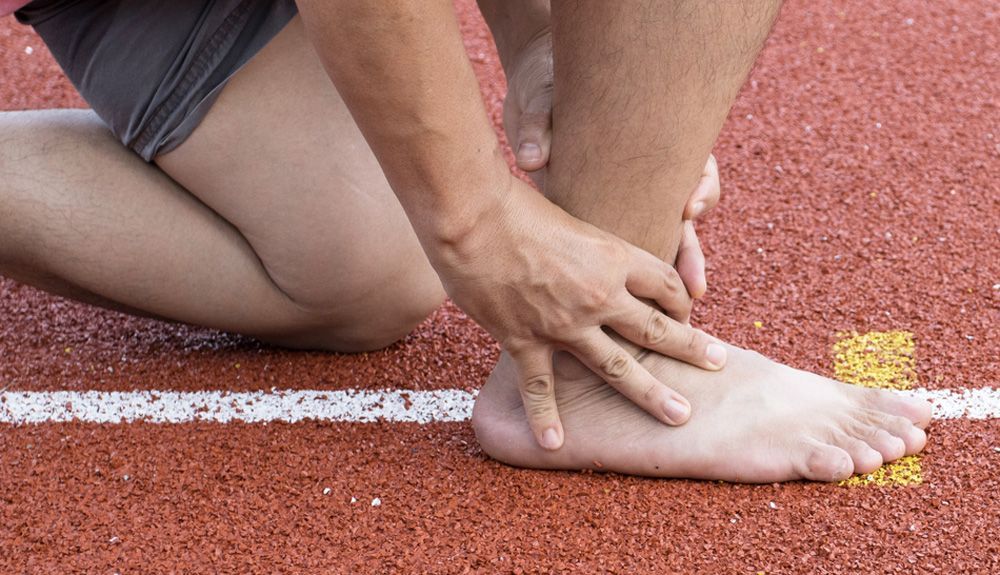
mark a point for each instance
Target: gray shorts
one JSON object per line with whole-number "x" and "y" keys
{"x": 152, "y": 69}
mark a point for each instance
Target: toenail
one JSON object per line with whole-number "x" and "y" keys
{"x": 715, "y": 354}
{"x": 529, "y": 152}
{"x": 675, "y": 411}
{"x": 550, "y": 439}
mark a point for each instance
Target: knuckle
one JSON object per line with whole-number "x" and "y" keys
{"x": 656, "y": 328}
{"x": 537, "y": 389}
{"x": 617, "y": 366}
{"x": 615, "y": 249}
{"x": 693, "y": 344}
{"x": 537, "y": 411}
{"x": 595, "y": 298}
{"x": 537, "y": 121}
{"x": 650, "y": 393}
{"x": 671, "y": 280}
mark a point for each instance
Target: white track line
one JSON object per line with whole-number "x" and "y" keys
{"x": 221, "y": 406}
{"x": 22, "y": 407}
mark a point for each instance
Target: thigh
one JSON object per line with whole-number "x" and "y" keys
{"x": 279, "y": 157}
{"x": 84, "y": 217}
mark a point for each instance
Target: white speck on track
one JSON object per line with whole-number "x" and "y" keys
{"x": 354, "y": 406}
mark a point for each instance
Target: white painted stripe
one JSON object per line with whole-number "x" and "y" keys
{"x": 981, "y": 403}
{"x": 221, "y": 406}
{"x": 361, "y": 406}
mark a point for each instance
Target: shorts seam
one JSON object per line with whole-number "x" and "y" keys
{"x": 203, "y": 62}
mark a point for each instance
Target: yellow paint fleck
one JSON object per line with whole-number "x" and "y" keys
{"x": 68, "y": 350}
{"x": 758, "y": 324}
{"x": 237, "y": 366}
{"x": 873, "y": 194}
{"x": 880, "y": 359}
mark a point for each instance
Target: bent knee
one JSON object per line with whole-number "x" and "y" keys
{"x": 366, "y": 327}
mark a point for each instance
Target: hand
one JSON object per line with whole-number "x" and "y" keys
{"x": 541, "y": 281}
{"x": 527, "y": 114}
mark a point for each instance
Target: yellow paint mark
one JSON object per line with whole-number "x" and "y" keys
{"x": 876, "y": 359}
{"x": 904, "y": 471}
{"x": 758, "y": 324}
{"x": 880, "y": 359}
{"x": 68, "y": 350}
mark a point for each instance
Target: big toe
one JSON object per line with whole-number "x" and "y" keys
{"x": 821, "y": 462}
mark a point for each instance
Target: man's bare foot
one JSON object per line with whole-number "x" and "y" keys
{"x": 755, "y": 421}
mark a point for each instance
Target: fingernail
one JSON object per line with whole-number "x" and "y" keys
{"x": 715, "y": 354}
{"x": 529, "y": 152}
{"x": 550, "y": 439}
{"x": 675, "y": 411}
{"x": 697, "y": 209}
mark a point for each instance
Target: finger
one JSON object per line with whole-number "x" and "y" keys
{"x": 620, "y": 370}
{"x": 706, "y": 194}
{"x": 534, "y": 133}
{"x": 650, "y": 328}
{"x": 653, "y": 279}
{"x": 691, "y": 262}
{"x": 538, "y": 394}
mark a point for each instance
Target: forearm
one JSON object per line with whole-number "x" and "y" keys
{"x": 514, "y": 24}
{"x": 402, "y": 70}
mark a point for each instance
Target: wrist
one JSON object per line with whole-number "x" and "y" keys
{"x": 452, "y": 233}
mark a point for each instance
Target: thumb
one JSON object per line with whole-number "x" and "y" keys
{"x": 534, "y": 133}
{"x": 691, "y": 262}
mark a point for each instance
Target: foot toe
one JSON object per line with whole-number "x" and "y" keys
{"x": 865, "y": 458}
{"x": 917, "y": 411}
{"x": 826, "y": 463}
{"x": 891, "y": 447}
{"x": 913, "y": 437}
